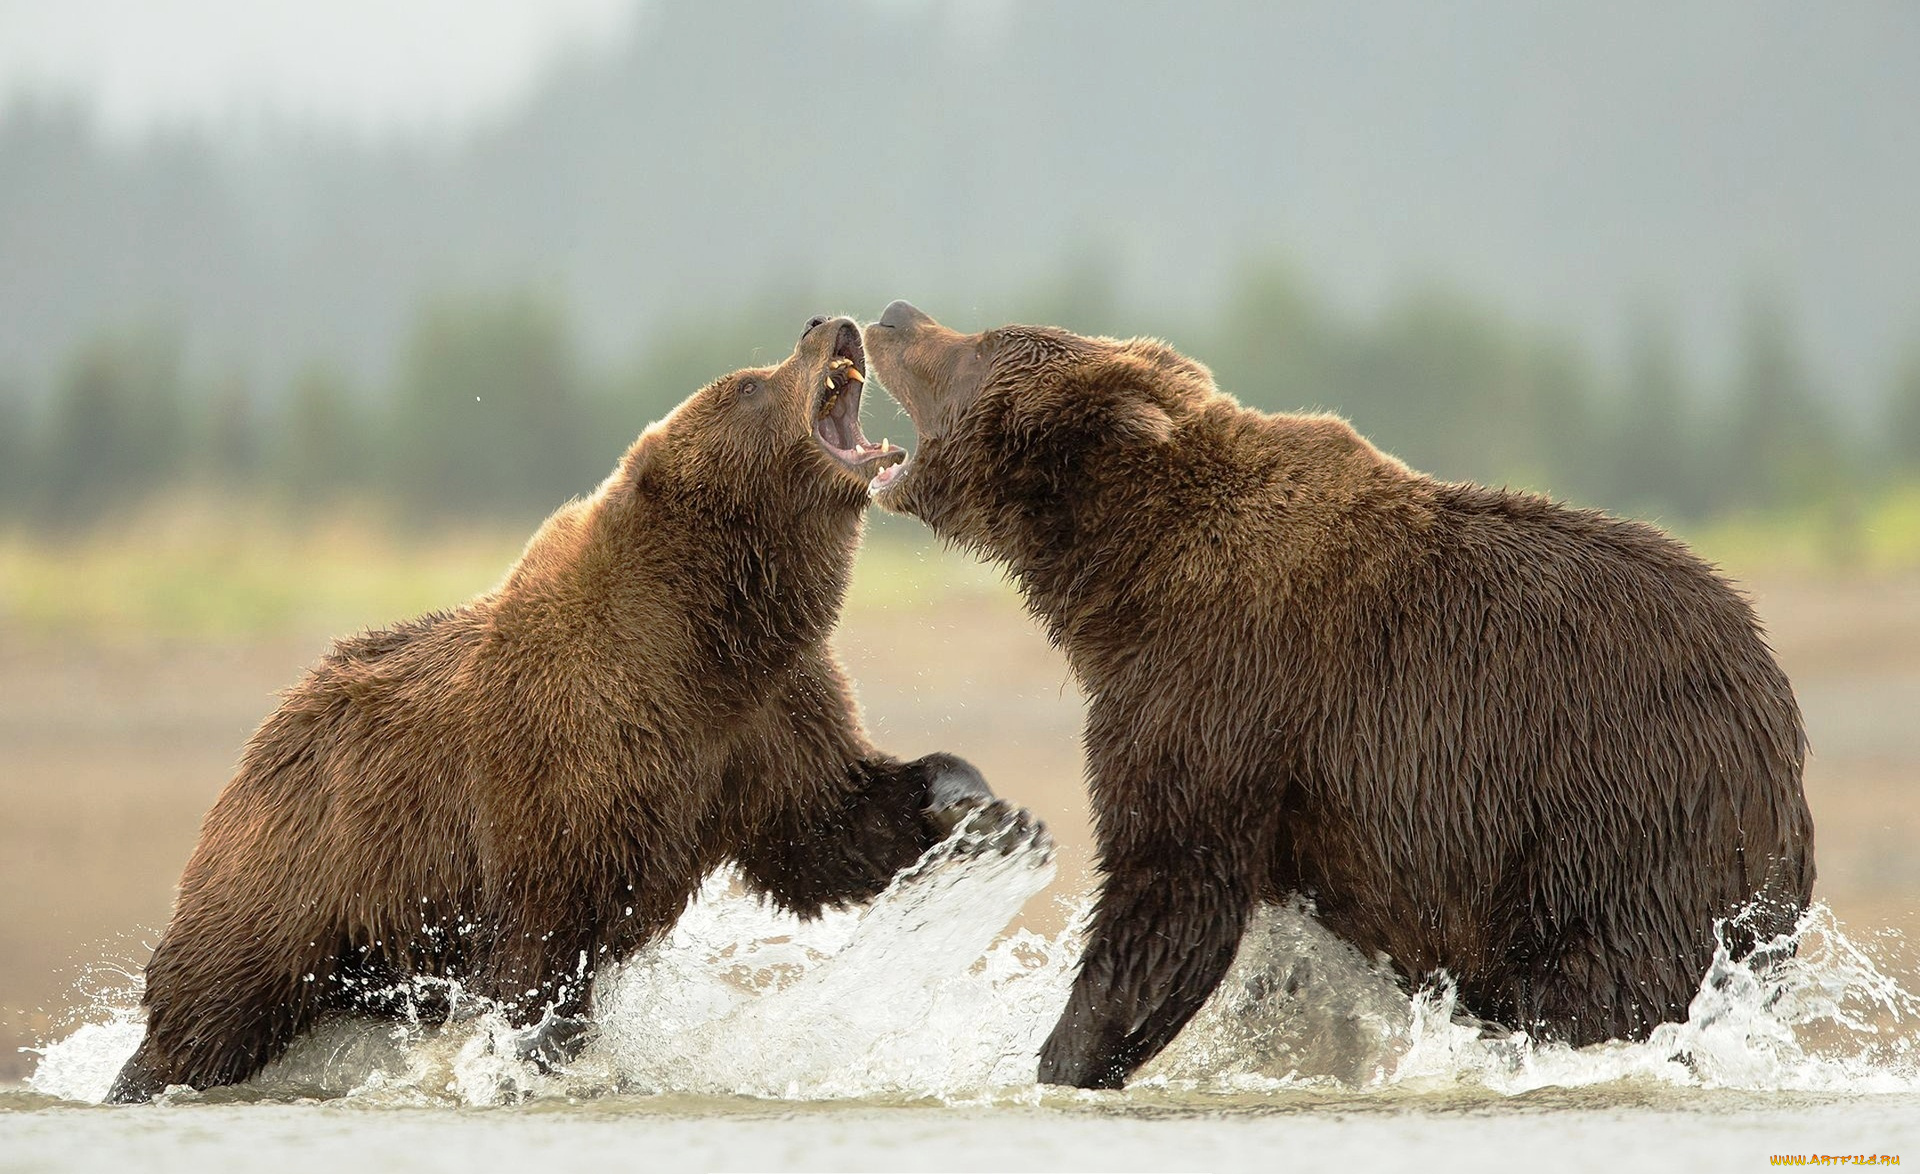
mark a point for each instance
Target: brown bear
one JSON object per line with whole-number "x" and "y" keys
{"x": 522, "y": 790}
{"x": 1539, "y": 749}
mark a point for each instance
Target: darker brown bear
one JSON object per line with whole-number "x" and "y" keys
{"x": 1537, "y": 748}
{"x": 520, "y": 791}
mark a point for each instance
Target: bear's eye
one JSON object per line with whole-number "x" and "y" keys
{"x": 747, "y": 388}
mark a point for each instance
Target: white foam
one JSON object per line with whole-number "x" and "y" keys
{"x": 923, "y": 994}
{"x": 82, "y": 1066}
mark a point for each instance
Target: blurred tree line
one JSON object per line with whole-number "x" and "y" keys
{"x": 492, "y": 412}
{"x": 1462, "y": 391}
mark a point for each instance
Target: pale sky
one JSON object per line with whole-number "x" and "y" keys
{"x": 373, "y": 65}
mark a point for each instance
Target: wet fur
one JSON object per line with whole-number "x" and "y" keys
{"x": 1537, "y": 748}
{"x": 522, "y": 790}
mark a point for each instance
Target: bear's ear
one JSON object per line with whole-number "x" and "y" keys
{"x": 646, "y": 459}
{"x": 1141, "y": 421}
{"x": 1110, "y": 400}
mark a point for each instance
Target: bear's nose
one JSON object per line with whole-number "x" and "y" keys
{"x": 812, "y": 322}
{"x": 901, "y": 314}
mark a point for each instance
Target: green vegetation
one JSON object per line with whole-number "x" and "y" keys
{"x": 1874, "y": 534}
{"x": 195, "y": 567}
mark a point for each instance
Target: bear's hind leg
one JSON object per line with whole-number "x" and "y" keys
{"x": 543, "y": 982}
{"x": 141, "y": 1078}
{"x": 215, "y": 1015}
{"x": 1595, "y": 987}
{"x": 554, "y": 1042}
{"x": 209, "y": 1043}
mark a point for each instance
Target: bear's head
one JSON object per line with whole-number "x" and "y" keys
{"x": 1022, "y": 425}
{"x": 788, "y": 434}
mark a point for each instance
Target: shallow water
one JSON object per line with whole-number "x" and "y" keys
{"x": 905, "y": 1035}
{"x": 1552, "y": 1132}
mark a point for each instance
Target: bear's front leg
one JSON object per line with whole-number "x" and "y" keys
{"x": 862, "y": 829}
{"x": 850, "y": 818}
{"x": 1165, "y": 929}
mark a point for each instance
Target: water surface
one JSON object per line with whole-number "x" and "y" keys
{"x": 905, "y": 1036}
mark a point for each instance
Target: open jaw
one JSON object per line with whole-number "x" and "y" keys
{"x": 836, "y": 415}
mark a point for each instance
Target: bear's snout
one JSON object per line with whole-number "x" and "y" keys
{"x": 901, "y": 314}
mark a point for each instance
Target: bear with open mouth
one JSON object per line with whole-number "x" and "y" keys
{"x": 525, "y": 789}
{"x": 1537, "y": 749}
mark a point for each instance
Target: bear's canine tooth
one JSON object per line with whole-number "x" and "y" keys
{"x": 830, "y": 386}
{"x": 853, "y": 372}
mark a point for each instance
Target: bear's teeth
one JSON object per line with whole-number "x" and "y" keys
{"x": 830, "y": 386}
{"x": 853, "y": 373}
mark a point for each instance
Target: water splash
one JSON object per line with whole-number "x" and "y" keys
{"x": 909, "y": 996}
{"x": 1825, "y": 1019}
{"x": 923, "y": 995}
{"x": 1302, "y": 1008}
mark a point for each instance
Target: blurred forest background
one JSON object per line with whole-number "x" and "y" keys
{"x": 1659, "y": 260}
{"x": 308, "y": 354}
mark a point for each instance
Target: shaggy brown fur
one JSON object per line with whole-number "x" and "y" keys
{"x": 1537, "y": 748}
{"x": 521, "y": 790}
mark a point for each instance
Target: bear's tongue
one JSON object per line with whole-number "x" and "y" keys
{"x": 838, "y": 420}
{"x": 837, "y": 425}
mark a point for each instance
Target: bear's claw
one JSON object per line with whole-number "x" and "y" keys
{"x": 960, "y": 804}
{"x": 993, "y": 826}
